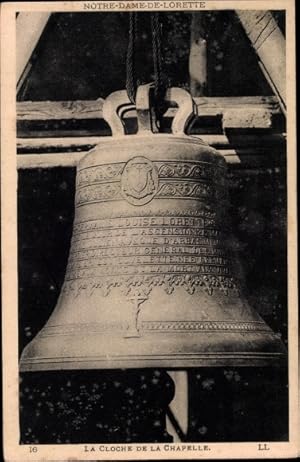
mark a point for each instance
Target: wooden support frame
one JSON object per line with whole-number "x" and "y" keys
{"x": 207, "y": 106}
{"x": 240, "y": 128}
{"x": 269, "y": 44}
{"x": 227, "y": 113}
{"x": 29, "y": 28}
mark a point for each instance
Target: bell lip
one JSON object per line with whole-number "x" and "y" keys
{"x": 278, "y": 360}
{"x": 154, "y": 350}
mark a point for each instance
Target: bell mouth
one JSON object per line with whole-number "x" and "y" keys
{"x": 136, "y": 354}
{"x": 153, "y": 344}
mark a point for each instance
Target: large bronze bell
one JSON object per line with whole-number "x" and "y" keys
{"x": 150, "y": 279}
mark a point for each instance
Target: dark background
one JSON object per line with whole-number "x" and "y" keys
{"x": 83, "y": 56}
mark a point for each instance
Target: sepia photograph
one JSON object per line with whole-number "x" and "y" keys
{"x": 149, "y": 267}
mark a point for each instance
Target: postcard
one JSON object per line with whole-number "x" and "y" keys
{"x": 149, "y": 230}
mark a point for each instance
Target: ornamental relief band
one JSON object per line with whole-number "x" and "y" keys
{"x": 108, "y": 172}
{"x": 141, "y": 285}
{"x": 162, "y": 326}
{"x": 112, "y": 191}
{"x": 140, "y": 180}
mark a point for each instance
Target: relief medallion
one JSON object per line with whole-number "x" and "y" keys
{"x": 139, "y": 181}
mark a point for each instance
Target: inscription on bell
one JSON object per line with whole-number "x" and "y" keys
{"x": 146, "y": 245}
{"x": 139, "y": 181}
{"x": 139, "y": 268}
{"x": 137, "y": 222}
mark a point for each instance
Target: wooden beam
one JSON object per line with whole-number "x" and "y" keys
{"x": 52, "y": 160}
{"x": 30, "y": 26}
{"x": 269, "y": 44}
{"x": 59, "y": 110}
{"x": 238, "y": 143}
{"x": 85, "y": 143}
{"x": 80, "y": 110}
{"x": 71, "y": 159}
{"x": 243, "y": 157}
{"x": 251, "y": 118}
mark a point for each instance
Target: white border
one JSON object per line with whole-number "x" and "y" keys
{"x": 12, "y": 450}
